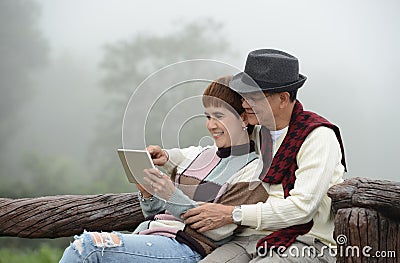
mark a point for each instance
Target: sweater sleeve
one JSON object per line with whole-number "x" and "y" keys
{"x": 151, "y": 206}
{"x": 318, "y": 159}
{"x": 179, "y": 203}
{"x": 178, "y": 157}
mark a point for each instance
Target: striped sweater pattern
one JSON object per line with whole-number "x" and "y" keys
{"x": 210, "y": 177}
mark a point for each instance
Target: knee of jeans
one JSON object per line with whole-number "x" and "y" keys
{"x": 90, "y": 240}
{"x": 78, "y": 245}
{"x": 74, "y": 253}
{"x": 104, "y": 240}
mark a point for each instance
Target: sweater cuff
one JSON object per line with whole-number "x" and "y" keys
{"x": 251, "y": 215}
{"x": 170, "y": 165}
{"x": 150, "y": 206}
{"x": 179, "y": 203}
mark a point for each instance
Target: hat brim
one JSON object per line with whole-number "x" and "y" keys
{"x": 237, "y": 84}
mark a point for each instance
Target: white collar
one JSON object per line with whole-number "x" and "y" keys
{"x": 278, "y": 133}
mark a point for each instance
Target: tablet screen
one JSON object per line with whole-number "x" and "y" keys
{"x": 134, "y": 162}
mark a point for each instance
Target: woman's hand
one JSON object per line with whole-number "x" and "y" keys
{"x": 160, "y": 184}
{"x": 158, "y": 155}
{"x": 208, "y": 216}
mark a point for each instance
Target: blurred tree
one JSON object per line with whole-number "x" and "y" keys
{"x": 126, "y": 64}
{"x": 22, "y": 50}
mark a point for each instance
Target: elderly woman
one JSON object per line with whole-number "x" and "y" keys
{"x": 226, "y": 172}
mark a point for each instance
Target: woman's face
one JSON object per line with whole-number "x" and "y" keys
{"x": 225, "y": 127}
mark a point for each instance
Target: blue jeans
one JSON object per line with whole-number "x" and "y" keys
{"x": 127, "y": 248}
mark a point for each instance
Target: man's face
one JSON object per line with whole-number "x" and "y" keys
{"x": 259, "y": 108}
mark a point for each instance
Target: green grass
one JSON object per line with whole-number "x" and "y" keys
{"x": 44, "y": 254}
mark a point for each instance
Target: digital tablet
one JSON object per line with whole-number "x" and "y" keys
{"x": 134, "y": 162}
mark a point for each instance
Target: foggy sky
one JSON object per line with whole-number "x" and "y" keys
{"x": 348, "y": 51}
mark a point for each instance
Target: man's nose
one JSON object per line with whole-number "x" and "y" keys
{"x": 245, "y": 104}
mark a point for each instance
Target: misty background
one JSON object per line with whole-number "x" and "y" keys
{"x": 68, "y": 69}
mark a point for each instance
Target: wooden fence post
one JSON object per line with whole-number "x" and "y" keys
{"x": 367, "y": 220}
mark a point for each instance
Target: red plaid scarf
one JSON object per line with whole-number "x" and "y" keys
{"x": 283, "y": 167}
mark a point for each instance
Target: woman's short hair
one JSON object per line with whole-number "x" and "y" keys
{"x": 218, "y": 94}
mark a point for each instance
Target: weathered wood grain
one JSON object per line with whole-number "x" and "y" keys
{"x": 63, "y": 216}
{"x": 367, "y": 213}
{"x": 380, "y": 195}
{"x": 364, "y": 227}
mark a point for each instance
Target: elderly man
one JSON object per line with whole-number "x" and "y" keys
{"x": 303, "y": 157}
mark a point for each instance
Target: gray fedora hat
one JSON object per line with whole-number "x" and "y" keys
{"x": 268, "y": 70}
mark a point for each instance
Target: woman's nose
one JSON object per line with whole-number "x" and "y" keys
{"x": 211, "y": 123}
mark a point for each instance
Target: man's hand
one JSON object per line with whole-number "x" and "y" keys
{"x": 208, "y": 216}
{"x": 159, "y": 156}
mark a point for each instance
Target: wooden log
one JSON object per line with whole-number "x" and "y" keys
{"x": 67, "y": 215}
{"x": 372, "y": 233}
{"x": 380, "y": 195}
{"x": 354, "y": 237}
{"x": 365, "y": 235}
{"x": 341, "y": 232}
{"x": 392, "y": 240}
{"x": 367, "y": 214}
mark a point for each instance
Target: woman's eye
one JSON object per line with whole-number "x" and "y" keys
{"x": 208, "y": 117}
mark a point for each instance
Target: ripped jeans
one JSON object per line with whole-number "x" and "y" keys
{"x": 117, "y": 247}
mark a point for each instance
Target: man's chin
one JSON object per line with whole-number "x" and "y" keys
{"x": 270, "y": 126}
{"x": 252, "y": 120}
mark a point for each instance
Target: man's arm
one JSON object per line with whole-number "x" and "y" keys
{"x": 318, "y": 159}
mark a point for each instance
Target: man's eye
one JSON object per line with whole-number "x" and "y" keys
{"x": 208, "y": 116}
